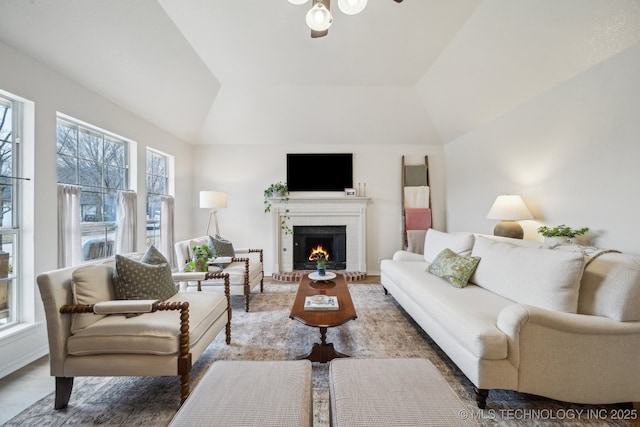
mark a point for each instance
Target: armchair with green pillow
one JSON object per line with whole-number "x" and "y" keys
{"x": 125, "y": 317}
{"x": 244, "y": 266}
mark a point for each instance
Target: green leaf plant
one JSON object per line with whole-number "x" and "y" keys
{"x": 279, "y": 189}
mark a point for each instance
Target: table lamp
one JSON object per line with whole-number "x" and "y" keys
{"x": 509, "y": 209}
{"x": 213, "y": 200}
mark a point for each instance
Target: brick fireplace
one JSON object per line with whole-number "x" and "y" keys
{"x": 321, "y": 211}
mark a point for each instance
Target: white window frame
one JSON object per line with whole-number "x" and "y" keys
{"x": 12, "y": 315}
{"x": 153, "y": 224}
{"x": 103, "y": 230}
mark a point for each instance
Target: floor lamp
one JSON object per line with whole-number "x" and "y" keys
{"x": 213, "y": 200}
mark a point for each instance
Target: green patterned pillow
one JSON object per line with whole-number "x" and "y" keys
{"x": 153, "y": 256}
{"x": 221, "y": 247}
{"x": 139, "y": 280}
{"x": 453, "y": 268}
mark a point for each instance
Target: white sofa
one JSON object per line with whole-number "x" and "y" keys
{"x": 245, "y": 271}
{"x": 90, "y": 333}
{"x": 561, "y": 322}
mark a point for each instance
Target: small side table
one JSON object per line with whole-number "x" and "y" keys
{"x": 197, "y": 276}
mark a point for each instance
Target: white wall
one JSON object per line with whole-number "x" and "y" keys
{"x": 572, "y": 153}
{"x": 245, "y": 171}
{"x": 53, "y": 93}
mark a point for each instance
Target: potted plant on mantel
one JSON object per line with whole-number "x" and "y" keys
{"x": 279, "y": 189}
{"x": 561, "y": 233}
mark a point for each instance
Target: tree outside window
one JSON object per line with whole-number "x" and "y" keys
{"x": 98, "y": 163}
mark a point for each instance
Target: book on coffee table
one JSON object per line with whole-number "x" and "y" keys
{"x": 321, "y": 302}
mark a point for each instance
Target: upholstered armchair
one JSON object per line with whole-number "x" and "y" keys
{"x": 245, "y": 270}
{"x": 91, "y": 333}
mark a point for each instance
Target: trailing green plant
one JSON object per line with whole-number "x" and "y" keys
{"x": 281, "y": 190}
{"x": 562, "y": 231}
{"x": 200, "y": 255}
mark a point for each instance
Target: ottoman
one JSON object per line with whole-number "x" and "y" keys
{"x": 392, "y": 392}
{"x": 250, "y": 393}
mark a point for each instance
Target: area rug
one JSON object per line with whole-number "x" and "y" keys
{"x": 382, "y": 329}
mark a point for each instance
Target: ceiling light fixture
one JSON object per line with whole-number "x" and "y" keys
{"x": 351, "y": 7}
{"x": 319, "y": 18}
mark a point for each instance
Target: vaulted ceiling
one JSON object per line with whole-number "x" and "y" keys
{"x": 438, "y": 67}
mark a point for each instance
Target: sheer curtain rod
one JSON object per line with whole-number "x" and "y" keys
{"x": 15, "y": 177}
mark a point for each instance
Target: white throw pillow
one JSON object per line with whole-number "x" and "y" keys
{"x": 535, "y": 276}
{"x": 435, "y": 241}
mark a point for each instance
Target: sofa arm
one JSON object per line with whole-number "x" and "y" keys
{"x": 124, "y": 306}
{"x": 515, "y": 319}
{"x": 572, "y": 357}
{"x": 407, "y": 256}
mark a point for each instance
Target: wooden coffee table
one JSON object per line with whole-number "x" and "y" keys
{"x": 323, "y": 351}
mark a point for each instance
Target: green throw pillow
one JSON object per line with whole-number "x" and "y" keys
{"x": 143, "y": 280}
{"x": 221, "y": 247}
{"x": 453, "y": 268}
{"x": 153, "y": 256}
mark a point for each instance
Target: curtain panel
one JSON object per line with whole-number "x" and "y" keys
{"x": 167, "y": 213}
{"x": 69, "y": 222}
{"x": 126, "y": 219}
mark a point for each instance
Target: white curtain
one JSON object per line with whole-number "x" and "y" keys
{"x": 126, "y": 219}
{"x": 69, "y": 232}
{"x": 167, "y": 209}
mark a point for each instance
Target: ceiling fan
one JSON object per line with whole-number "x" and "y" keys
{"x": 319, "y": 18}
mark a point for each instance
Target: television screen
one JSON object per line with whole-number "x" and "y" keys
{"x": 319, "y": 172}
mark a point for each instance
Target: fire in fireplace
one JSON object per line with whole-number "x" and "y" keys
{"x": 331, "y": 239}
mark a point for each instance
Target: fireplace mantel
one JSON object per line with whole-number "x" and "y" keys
{"x": 320, "y": 210}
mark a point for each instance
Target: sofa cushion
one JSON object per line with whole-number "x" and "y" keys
{"x": 453, "y": 268}
{"x": 435, "y": 241}
{"x": 536, "y": 276}
{"x": 91, "y": 284}
{"x": 236, "y": 271}
{"x": 611, "y": 287}
{"x": 469, "y": 315}
{"x": 149, "y": 333}
{"x": 138, "y": 280}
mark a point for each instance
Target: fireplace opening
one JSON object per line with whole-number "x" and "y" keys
{"x": 332, "y": 239}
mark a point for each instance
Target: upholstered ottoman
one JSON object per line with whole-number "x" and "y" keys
{"x": 392, "y": 392}
{"x": 250, "y": 393}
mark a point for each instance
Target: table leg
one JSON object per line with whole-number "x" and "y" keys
{"x": 323, "y": 351}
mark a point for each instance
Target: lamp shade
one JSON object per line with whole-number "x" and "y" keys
{"x": 509, "y": 207}
{"x": 213, "y": 199}
{"x": 319, "y": 18}
{"x": 351, "y": 7}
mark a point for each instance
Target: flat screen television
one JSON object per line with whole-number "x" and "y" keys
{"x": 319, "y": 172}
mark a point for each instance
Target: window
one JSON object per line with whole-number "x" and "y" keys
{"x": 10, "y": 118}
{"x": 97, "y": 161}
{"x": 157, "y": 186}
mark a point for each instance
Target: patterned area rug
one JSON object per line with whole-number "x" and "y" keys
{"x": 382, "y": 329}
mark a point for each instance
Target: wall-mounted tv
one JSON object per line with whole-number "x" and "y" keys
{"x": 319, "y": 172}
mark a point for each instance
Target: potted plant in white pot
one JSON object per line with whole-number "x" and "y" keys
{"x": 561, "y": 234}
{"x": 200, "y": 256}
{"x": 278, "y": 190}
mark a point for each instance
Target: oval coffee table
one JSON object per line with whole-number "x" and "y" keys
{"x": 323, "y": 351}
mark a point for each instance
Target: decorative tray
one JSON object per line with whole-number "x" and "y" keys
{"x": 318, "y": 278}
